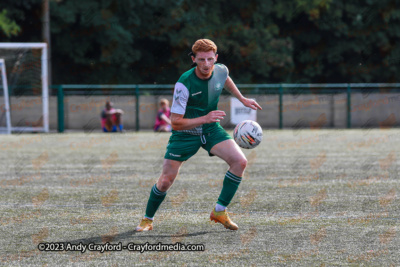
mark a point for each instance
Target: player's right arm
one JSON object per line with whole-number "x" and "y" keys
{"x": 178, "y": 109}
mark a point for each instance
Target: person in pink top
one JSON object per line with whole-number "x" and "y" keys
{"x": 111, "y": 118}
{"x": 163, "y": 122}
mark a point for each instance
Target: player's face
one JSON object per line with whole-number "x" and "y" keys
{"x": 205, "y": 62}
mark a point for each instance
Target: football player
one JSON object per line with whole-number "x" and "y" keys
{"x": 195, "y": 123}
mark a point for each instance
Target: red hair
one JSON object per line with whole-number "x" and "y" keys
{"x": 204, "y": 45}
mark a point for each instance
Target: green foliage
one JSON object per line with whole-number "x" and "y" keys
{"x": 26, "y": 14}
{"x": 8, "y": 26}
{"x": 133, "y": 41}
{"x": 345, "y": 41}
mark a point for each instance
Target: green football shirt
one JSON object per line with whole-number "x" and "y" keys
{"x": 194, "y": 97}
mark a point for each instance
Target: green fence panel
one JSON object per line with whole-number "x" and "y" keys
{"x": 280, "y": 107}
{"x": 349, "y": 106}
{"x": 60, "y": 108}
{"x": 137, "y": 92}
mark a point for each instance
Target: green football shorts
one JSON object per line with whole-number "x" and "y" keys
{"x": 182, "y": 146}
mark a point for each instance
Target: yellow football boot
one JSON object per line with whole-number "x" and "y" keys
{"x": 145, "y": 225}
{"x": 223, "y": 218}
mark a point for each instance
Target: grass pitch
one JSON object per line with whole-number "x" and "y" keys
{"x": 308, "y": 198}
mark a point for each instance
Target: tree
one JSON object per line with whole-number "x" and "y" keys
{"x": 344, "y": 41}
{"x": 8, "y": 26}
{"x": 131, "y": 41}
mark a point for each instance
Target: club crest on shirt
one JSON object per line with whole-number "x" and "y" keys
{"x": 218, "y": 86}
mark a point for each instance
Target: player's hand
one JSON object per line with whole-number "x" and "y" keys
{"x": 250, "y": 103}
{"x": 215, "y": 116}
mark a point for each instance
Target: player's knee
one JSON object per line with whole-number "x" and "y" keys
{"x": 242, "y": 163}
{"x": 239, "y": 164}
{"x": 163, "y": 185}
{"x": 165, "y": 182}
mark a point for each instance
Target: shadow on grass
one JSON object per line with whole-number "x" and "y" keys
{"x": 127, "y": 236}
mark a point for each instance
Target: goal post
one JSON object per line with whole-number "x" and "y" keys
{"x": 26, "y": 69}
{"x": 6, "y": 109}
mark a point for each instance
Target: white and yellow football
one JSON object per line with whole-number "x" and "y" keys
{"x": 248, "y": 134}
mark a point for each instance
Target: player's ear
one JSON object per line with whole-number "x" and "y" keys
{"x": 192, "y": 55}
{"x": 216, "y": 57}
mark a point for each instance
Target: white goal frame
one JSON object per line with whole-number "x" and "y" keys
{"x": 6, "y": 100}
{"x": 45, "y": 88}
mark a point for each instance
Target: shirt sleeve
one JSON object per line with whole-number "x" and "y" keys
{"x": 227, "y": 71}
{"x": 181, "y": 96}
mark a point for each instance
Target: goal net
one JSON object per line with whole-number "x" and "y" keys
{"x": 24, "y": 96}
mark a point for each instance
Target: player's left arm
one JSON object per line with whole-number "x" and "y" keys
{"x": 232, "y": 88}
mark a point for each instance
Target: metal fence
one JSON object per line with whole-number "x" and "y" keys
{"x": 138, "y": 90}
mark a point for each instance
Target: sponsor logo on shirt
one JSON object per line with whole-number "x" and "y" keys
{"x": 197, "y": 93}
{"x": 218, "y": 86}
{"x": 174, "y": 155}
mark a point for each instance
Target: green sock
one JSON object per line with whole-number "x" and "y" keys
{"x": 155, "y": 200}
{"x": 229, "y": 187}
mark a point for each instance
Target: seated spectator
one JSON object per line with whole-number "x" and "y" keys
{"x": 111, "y": 118}
{"x": 163, "y": 122}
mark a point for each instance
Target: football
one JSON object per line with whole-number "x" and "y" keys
{"x": 248, "y": 134}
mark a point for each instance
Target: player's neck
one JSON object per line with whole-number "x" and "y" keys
{"x": 201, "y": 75}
